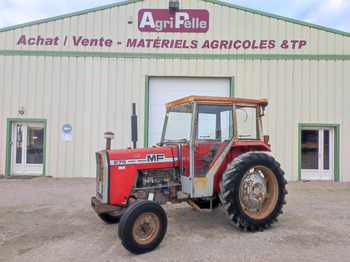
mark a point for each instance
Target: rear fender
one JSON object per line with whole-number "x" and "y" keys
{"x": 252, "y": 146}
{"x": 238, "y": 149}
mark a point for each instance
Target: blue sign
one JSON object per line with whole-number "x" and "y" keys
{"x": 67, "y": 128}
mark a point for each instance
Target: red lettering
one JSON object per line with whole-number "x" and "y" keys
{"x": 214, "y": 44}
{"x": 302, "y": 43}
{"x": 237, "y": 46}
{"x": 294, "y": 43}
{"x": 272, "y": 44}
{"x": 206, "y": 44}
{"x": 178, "y": 44}
{"x": 109, "y": 42}
{"x": 149, "y": 41}
{"x": 102, "y": 42}
{"x": 131, "y": 43}
{"x": 246, "y": 44}
{"x": 31, "y": 41}
{"x": 85, "y": 42}
{"x": 224, "y": 44}
{"x": 22, "y": 40}
{"x": 93, "y": 42}
{"x": 76, "y": 41}
{"x": 194, "y": 44}
{"x": 254, "y": 45}
{"x": 184, "y": 45}
{"x": 141, "y": 43}
{"x": 165, "y": 43}
{"x": 263, "y": 44}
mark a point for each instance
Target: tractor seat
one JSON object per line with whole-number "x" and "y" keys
{"x": 211, "y": 153}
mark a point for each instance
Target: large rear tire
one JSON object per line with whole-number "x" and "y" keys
{"x": 142, "y": 227}
{"x": 253, "y": 191}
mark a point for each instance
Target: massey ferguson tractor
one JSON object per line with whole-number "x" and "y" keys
{"x": 212, "y": 151}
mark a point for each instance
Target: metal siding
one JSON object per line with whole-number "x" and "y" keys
{"x": 346, "y": 45}
{"x": 280, "y": 129}
{"x": 314, "y": 90}
{"x": 322, "y": 109}
{"x": 60, "y": 109}
{"x": 305, "y": 97}
{"x": 3, "y": 121}
{"x": 288, "y": 141}
{"x": 31, "y": 82}
{"x": 328, "y": 94}
{"x": 297, "y": 112}
{"x": 71, "y": 154}
{"x": 345, "y": 126}
{"x": 83, "y": 91}
{"x": 87, "y": 116}
{"x": 2, "y": 41}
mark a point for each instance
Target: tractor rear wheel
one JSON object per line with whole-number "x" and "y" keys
{"x": 253, "y": 191}
{"x": 142, "y": 227}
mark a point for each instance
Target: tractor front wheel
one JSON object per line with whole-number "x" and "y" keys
{"x": 142, "y": 227}
{"x": 253, "y": 191}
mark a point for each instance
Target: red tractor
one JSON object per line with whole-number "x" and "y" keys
{"x": 212, "y": 151}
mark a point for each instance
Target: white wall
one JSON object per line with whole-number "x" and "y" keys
{"x": 95, "y": 95}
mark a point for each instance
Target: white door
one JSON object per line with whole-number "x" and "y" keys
{"x": 27, "y": 148}
{"x": 317, "y": 154}
{"x": 166, "y": 89}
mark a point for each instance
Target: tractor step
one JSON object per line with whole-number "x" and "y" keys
{"x": 196, "y": 207}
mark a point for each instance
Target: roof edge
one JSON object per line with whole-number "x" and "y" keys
{"x": 211, "y": 99}
{"x": 175, "y": 56}
{"x": 83, "y": 12}
{"x": 291, "y": 20}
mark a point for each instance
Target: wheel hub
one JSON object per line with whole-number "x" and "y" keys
{"x": 146, "y": 228}
{"x": 253, "y": 191}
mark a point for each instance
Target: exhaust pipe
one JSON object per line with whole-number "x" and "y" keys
{"x": 134, "y": 125}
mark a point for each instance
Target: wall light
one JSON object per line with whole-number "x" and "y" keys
{"x": 174, "y": 5}
{"x": 21, "y": 111}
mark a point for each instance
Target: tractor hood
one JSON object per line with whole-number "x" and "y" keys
{"x": 145, "y": 158}
{"x": 123, "y": 165}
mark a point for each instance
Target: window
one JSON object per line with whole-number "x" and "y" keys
{"x": 178, "y": 124}
{"x": 214, "y": 123}
{"x": 247, "y": 123}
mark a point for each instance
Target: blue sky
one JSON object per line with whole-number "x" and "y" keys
{"x": 329, "y": 13}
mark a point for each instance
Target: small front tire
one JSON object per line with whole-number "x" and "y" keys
{"x": 142, "y": 227}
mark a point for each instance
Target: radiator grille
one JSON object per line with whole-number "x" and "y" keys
{"x": 100, "y": 168}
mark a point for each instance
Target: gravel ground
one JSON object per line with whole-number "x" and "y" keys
{"x": 49, "y": 219}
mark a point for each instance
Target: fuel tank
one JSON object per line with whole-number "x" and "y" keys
{"x": 123, "y": 165}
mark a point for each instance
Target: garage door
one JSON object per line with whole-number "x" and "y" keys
{"x": 163, "y": 90}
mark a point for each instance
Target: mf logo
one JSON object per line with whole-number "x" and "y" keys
{"x": 155, "y": 157}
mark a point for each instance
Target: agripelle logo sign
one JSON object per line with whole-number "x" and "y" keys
{"x": 167, "y": 21}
